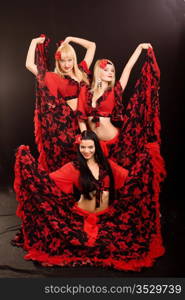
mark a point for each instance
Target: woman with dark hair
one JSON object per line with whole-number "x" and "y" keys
{"x": 92, "y": 174}
{"x": 114, "y": 222}
{"x": 56, "y": 97}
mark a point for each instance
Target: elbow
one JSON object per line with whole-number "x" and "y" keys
{"x": 28, "y": 67}
{"x": 32, "y": 69}
{"x": 93, "y": 45}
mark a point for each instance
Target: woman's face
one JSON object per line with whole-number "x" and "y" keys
{"x": 87, "y": 149}
{"x": 108, "y": 73}
{"x": 67, "y": 64}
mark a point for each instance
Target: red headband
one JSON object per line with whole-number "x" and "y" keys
{"x": 103, "y": 63}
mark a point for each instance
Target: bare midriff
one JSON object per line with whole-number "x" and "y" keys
{"x": 72, "y": 103}
{"x": 90, "y": 205}
{"x": 105, "y": 131}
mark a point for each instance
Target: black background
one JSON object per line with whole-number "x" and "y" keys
{"x": 117, "y": 27}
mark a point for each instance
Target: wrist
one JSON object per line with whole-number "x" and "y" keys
{"x": 34, "y": 42}
{"x": 69, "y": 39}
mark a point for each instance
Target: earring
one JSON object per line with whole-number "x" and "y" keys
{"x": 99, "y": 84}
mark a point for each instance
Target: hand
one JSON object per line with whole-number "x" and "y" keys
{"x": 145, "y": 45}
{"x": 39, "y": 40}
{"x": 67, "y": 40}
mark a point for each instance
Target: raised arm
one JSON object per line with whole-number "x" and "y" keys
{"x": 82, "y": 125}
{"x": 90, "y": 46}
{"x": 30, "y": 59}
{"x": 127, "y": 69}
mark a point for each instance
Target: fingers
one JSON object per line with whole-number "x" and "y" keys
{"x": 40, "y": 40}
{"x": 63, "y": 43}
{"x": 146, "y": 45}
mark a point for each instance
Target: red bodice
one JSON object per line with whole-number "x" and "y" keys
{"x": 67, "y": 87}
{"x": 68, "y": 176}
{"x": 105, "y": 105}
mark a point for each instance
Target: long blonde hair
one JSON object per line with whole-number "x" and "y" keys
{"x": 95, "y": 89}
{"x": 68, "y": 51}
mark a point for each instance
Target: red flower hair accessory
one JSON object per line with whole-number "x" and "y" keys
{"x": 78, "y": 139}
{"x": 58, "y": 55}
{"x": 103, "y": 63}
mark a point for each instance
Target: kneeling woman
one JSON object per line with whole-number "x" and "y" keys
{"x": 92, "y": 174}
{"x": 112, "y": 224}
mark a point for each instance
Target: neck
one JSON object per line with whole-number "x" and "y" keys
{"x": 91, "y": 161}
{"x": 69, "y": 74}
{"x": 104, "y": 85}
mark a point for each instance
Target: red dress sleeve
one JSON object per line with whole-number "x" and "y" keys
{"x": 51, "y": 80}
{"x": 81, "y": 108}
{"x": 66, "y": 177}
{"x": 120, "y": 174}
{"x": 83, "y": 66}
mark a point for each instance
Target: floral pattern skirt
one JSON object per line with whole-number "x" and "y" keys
{"x": 55, "y": 231}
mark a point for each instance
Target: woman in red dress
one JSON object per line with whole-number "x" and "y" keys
{"x": 56, "y": 98}
{"x": 113, "y": 223}
{"x": 137, "y": 139}
{"x": 101, "y": 107}
{"x": 98, "y": 102}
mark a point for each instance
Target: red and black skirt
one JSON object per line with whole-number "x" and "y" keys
{"x": 55, "y": 231}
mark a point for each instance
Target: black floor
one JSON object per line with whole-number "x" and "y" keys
{"x": 13, "y": 265}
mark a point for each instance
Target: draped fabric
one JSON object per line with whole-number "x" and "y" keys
{"x": 55, "y": 231}
{"x": 141, "y": 124}
{"x": 125, "y": 236}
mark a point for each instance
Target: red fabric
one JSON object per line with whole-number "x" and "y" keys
{"x": 68, "y": 175}
{"x": 106, "y": 144}
{"x": 104, "y": 105}
{"x": 127, "y": 235}
{"x": 65, "y": 260}
{"x": 56, "y": 84}
{"x": 120, "y": 174}
{"x": 67, "y": 87}
{"x": 55, "y": 122}
{"x": 91, "y": 228}
{"x": 83, "y": 66}
{"x": 90, "y": 223}
{"x": 104, "y": 148}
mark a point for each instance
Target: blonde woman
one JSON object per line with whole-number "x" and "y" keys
{"x": 98, "y": 104}
{"x": 122, "y": 129}
{"x": 57, "y": 96}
